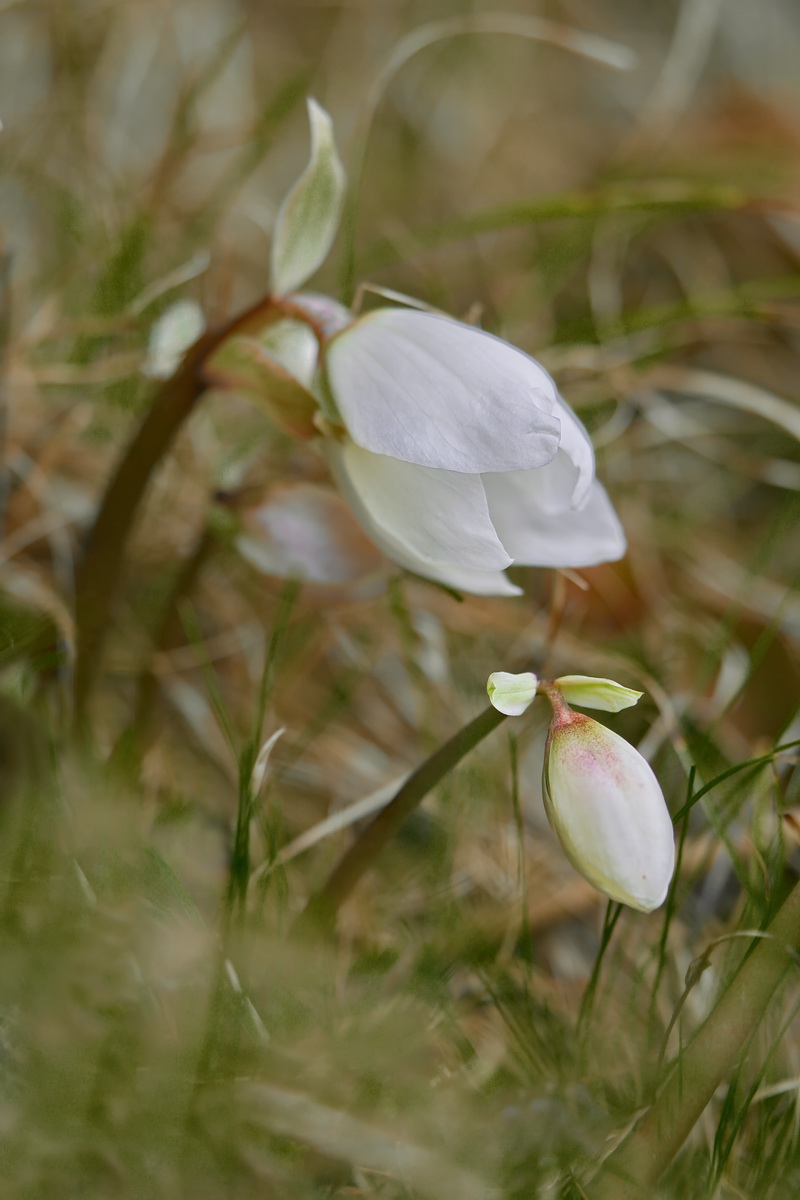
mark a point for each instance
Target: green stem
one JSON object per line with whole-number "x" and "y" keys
{"x": 634, "y": 1168}
{"x": 98, "y": 576}
{"x": 170, "y": 632}
{"x": 635, "y": 196}
{"x": 321, "y": 909}
{"x": 5, "y": 333}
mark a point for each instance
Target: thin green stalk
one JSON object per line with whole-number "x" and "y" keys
{"x": 5, "y": 332}
{"x": 214, "y": 692}
{"x": 610, "y": 54}
{"x": 170, "y": 632}
{"x": 665, "y": 197}
{"x": 760, "y": 761}
{"x": 288, "y": 600}
{"x": 321, "y": 909}
{"x": 633, "y": 1169}
{"x": 613, "y": 914}
{"x": 526, "y": 936}
{"x": 239, "y": 872}
{"x": 98, "y": 576}
{"x": 670, "y": 908}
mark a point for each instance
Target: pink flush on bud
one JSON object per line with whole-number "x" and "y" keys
{"x": 607, "y": 809}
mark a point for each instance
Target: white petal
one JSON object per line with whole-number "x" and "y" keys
{"x": 576, "y": 447}
{"x": 328, "y": 316}
{"x": 463, "y": 579}
{"x": 476, "y": 583}
{"x": 306, "y": 531}
{"x": 608, "y": 810}
{"x": 439, "y": 393}
{"x": 438, "y": 516}
{"x": 527, "y": 512}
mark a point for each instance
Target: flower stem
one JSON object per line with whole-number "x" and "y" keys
{"x": 170, "y": 632}
{"x": 634, "y": 1168}
{"x": 562, "y": 713}
{"x": 98, "y": 576}
{"x": 320, "y": 912}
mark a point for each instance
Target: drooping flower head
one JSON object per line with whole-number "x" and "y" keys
{"x": 459, "y": 454}
{"x": 453, "y": 448}
{"x": 601, "y": 796}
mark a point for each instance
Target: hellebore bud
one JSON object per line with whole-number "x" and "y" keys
{"x": 608, "y": 811}
{"x": 601, "y": 797}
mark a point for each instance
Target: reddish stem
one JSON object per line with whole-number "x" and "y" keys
{"x": 562, "y": 713}
{"x": 98, "y": 576}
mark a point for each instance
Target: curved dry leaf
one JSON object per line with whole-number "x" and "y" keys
{"x": 735, "y": 393}
{"x": 339, "y": 1135}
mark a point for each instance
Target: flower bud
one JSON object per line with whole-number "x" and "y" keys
{"x": 608, "y": 811}
{"x": 511, "y": 694}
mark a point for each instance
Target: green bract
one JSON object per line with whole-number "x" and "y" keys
{"x": 592, "y": 692}
{"x": 309, "y": 216}
{"x": 511, "y": 694}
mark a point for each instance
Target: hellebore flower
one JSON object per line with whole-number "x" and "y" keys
{"x": 459, "y": 456}
{"x": 601, "y": 797}
{"x": 453, "y": 448}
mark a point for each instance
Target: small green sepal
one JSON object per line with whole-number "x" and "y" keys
{"x": 511, "y": 694}
{"x": 591, "y": 692}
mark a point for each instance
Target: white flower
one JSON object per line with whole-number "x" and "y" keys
{"x": 608, "y": 811}
{"x": 453, "y": 448}
{"x": 460, "y": 457}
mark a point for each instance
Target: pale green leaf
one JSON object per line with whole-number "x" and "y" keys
{"x": 511, "y": 694}
{"x": 591, "y": 692}
{"x": 309, "y": 216}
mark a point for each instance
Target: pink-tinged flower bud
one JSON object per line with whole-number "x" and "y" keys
{"x": 608, "y": 811}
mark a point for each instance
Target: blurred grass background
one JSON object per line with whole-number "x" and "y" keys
{"x": 639, "y": 232}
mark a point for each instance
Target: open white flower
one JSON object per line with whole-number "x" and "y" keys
{"x": 453, "y": 448}
{"x": 460, "y": 457}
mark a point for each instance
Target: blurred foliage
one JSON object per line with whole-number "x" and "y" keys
{"x": 638, "y": 231}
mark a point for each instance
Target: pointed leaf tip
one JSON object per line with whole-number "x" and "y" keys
{"x": 592, "y": 692}
{"x": 309, "y": 216}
